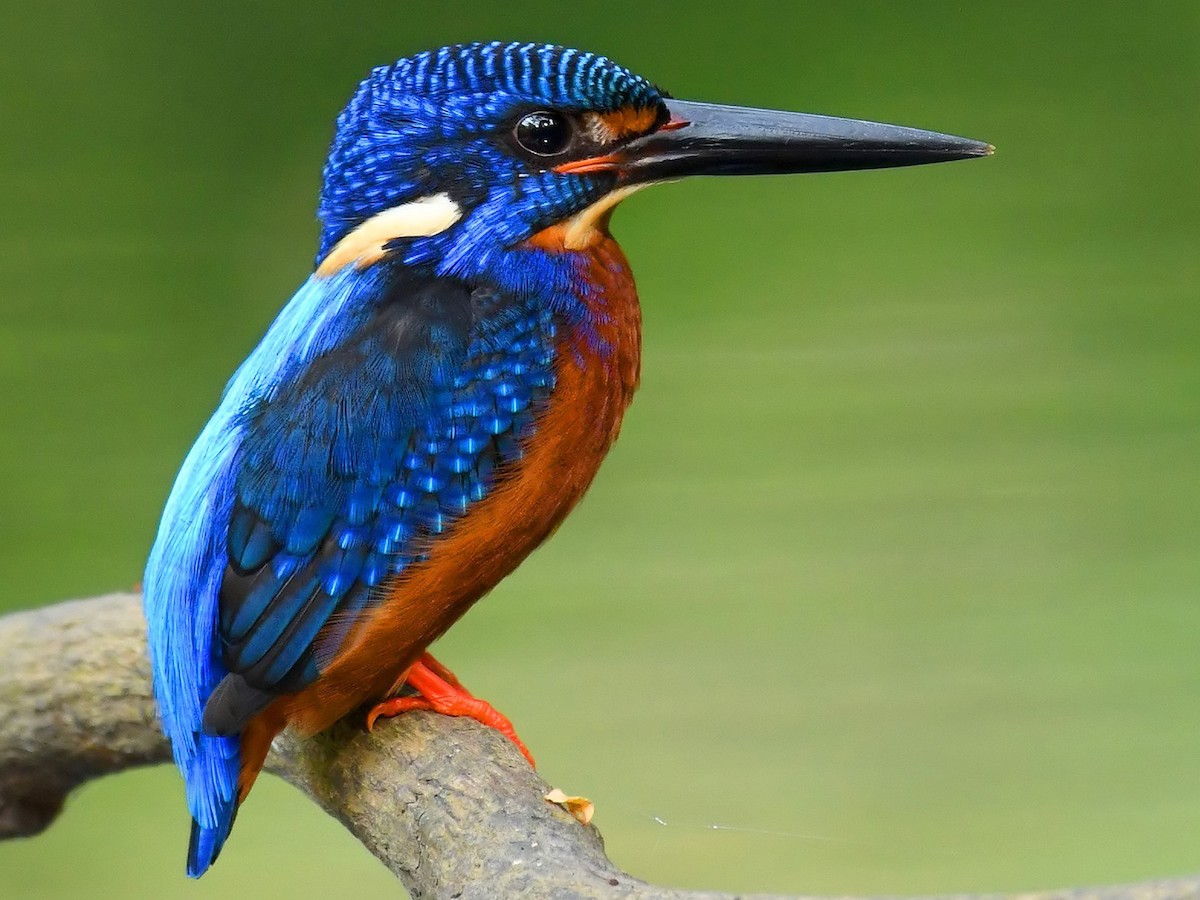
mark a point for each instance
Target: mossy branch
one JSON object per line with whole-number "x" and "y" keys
{"x": 447, "y": 805}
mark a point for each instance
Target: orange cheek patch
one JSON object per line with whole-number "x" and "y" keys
{"x": 621, "y": 123}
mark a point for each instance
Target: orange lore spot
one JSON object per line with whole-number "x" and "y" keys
{"x": 610, "y": 128}
{"x": 625, "y": 122}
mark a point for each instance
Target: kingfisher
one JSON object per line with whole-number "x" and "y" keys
{"x": 437, "y": 395}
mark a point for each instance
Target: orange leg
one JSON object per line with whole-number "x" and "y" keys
{"x": 438, "y": 690}
{"x": 442, "y": 672}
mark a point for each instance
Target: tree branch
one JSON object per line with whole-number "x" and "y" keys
{"x": 447, "y": 805}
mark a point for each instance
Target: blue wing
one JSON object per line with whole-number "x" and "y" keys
{"x": 346, "y": 471}
{"x": 375, "y": 410}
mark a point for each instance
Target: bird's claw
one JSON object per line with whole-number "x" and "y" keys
{"x": 438, "y": 690}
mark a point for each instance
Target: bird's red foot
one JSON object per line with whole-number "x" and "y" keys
{"x": 440, "y": 691}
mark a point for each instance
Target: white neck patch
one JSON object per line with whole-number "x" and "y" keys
{"x": 364, "y": 245}
{"x": 581, "y": 229}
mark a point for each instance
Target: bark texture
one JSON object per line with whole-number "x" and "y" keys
{"x": 450, "y": 807}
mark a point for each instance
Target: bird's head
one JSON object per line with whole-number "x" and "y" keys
{"x": 454, "y": 156}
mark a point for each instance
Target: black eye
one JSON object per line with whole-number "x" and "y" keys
{"x": 544, "y": 132}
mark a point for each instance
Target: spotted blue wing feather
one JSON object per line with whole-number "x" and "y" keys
{"x": 348, "y": 472}
{"x": 310, "y": 481}
{"x": 188, "y": 561}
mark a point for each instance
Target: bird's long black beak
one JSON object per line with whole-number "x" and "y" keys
{"x": 708, "y": 139}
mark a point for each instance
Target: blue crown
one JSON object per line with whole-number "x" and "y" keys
{"x": 411, "y": 121}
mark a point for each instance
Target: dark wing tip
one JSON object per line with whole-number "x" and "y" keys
{"x": 232, "y": 705}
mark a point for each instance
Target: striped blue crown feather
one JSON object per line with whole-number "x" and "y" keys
{"x": 439, "y": 111}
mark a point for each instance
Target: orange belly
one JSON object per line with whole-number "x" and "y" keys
{"x": 570, "y": 438}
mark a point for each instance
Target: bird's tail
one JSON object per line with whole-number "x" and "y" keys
{"x": 212, "y": 788}
{"x": 223, "y": 772}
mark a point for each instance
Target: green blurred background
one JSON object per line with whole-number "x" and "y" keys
{"x": 893, "y": 574}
